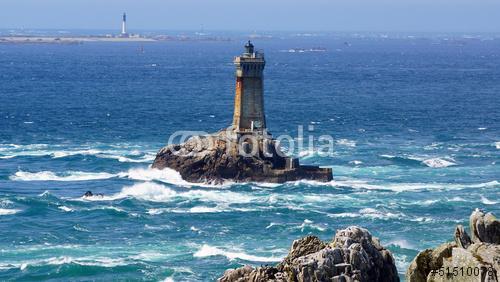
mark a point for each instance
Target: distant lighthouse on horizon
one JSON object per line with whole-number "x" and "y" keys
{"x": 124, "y": 26}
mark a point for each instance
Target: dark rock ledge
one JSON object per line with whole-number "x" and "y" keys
{"x": 218, "y": 157}
{"x": 352, "y": 255}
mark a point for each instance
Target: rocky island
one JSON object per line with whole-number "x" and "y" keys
{"x": 244, "y": 152}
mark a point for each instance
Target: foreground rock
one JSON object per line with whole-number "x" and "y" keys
{"x": 222, "y": 156}
{"x": 475, "y": 258}
{"x": 352, "y": 255}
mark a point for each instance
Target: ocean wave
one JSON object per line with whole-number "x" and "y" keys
{"x": 122, "y": 153}
{"x": 435, "y": 162}
{"x": 142, "y": 191}
{"x": 196, "y": 209}
{"x": 391, "y": 186}
{"x": 156, "y": 192}
{"x": 8, "y": 211}
{"x": 439, "y": 162}
{"x": 66, "y": 176}
{"x": 61, "y": 260}
{"x": 169, "y": 176}
{"x": 371, "y": 213}
{"x": 208, "y": 251}
{"x": 401, "y": 243}
{"x": 487, "y": 201}
{"x": 309, "y": 224}
{"x": 346, "y": 143}
{"x": 166, "y": 175}
{"x": 65, "y": 208}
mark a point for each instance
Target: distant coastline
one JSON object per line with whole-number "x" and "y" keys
{"x": 18, "y": 39}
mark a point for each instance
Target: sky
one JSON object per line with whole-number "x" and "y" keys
{"x": 256, "y": 15}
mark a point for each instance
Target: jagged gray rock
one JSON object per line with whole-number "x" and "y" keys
{"x": 462, "y": 239}
{"x": 352, "y": 255}
{"x": 466, "y": 259}
{"x": 484, "y": 227}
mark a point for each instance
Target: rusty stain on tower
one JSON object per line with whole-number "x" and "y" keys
{"x": 249, "y": 97}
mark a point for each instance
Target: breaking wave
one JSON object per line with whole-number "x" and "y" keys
{"x": 346, "y": 143}
{"x": 487, "y": 201}
{"x": 438, "y": 162}
{"x": 8, "y": 211}
{"x": 418, "y": 160}
{"x": 67, "y": 176}
{"x": 396, "y": 187}
{"x": 155, "y": 192}
{"x": 208, "y": 251}
{"x": 372, "y": 213}
{"x": 126, "y": 154}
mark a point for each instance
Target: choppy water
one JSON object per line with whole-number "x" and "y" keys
{"x": 417, "y": 132}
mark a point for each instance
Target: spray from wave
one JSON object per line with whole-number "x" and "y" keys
{"x": 208, "y": 251}
{"x": 67, "y": 176}
{"x": 421, "y": 160}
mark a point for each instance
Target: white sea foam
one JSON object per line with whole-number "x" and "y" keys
{"x": 346, "y": 142}
{"x": 438, "y": 162}
{"x": 372, "y": 213}
{"x": 497, "y": 145}
{"x": 7, "y": 157}
{"x": 434, "y": 162}
{"x": 343, "y": 214}
{"x": 121, "y": 153}
{"x": 166, "y": 175}
{"x": 8, "y": 211}
{"x": 149, "y": 256}
{"x": 146, "y": 191}
{"x": 456, "y": 199}
{"x": 208, "y": 251}
{"x": 67, "y": 176}
{"x": 487, "y": 201}
{"x": 86, "y": 261}
{"x": 405, "y": 186}
{"x": 402, "y": 243}
{"x": 376, "y": 214}
{"x": 80, "y": 228}
{"x": 309, "y": 224}
{"x": 65, "y": 208}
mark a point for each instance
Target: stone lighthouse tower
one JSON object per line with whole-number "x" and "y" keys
{"x": 124, "y": 26}
{"x": 249, "y": 97}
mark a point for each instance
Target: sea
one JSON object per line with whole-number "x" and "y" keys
{"x": 415, "y": 122}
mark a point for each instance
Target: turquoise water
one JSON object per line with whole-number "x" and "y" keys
{"x": 416, "y": 125}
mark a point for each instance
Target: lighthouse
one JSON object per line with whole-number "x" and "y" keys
{"x": 124, "y": 26}
{"x": 249, "y": 95}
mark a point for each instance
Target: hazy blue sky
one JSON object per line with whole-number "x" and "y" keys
{"x": 334, "y": 15}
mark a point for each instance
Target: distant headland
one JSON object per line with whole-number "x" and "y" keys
{"x": 123, "y": 36}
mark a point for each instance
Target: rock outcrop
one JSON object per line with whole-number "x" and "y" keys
{"x": 227, "y": 155}
{"x": 352, "y": 255}
{"x": 466, "y": 259}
